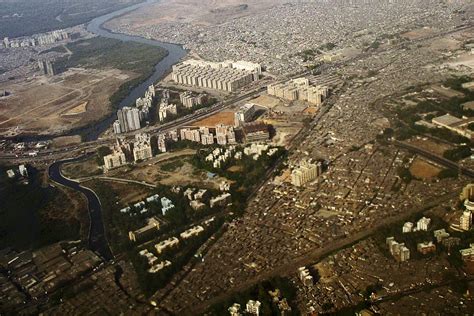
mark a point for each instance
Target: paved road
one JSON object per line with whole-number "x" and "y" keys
{"x": 74, "y": 150}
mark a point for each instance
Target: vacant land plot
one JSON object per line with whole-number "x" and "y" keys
{"x": 66, "y": 141}
{"x": 125, "y": 193}
{"x": 226, "y": 118}
{"x": 100, "y": 72}
{"x": 199, "y": 12}
{"x": 422, "y": 169}
{"x": 52, "y": 105}
{"x": 169, "y": 169}
{"x": 430, "y": 145}
{"x": 267, "y": 101}
{"x": 447, "y": 92}
{"x": 466, "y": 60}
{"x": 81, "y": 108}
{"x": 418, "y": 33}
{"x": 286, "y": 127}
{"x": 81, "y": 169}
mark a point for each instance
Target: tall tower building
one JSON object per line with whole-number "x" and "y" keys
{"x": 465, "y": 222}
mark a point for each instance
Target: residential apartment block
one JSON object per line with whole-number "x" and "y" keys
{"x": 226, "y": 76}
{"x": 299, "y": 89}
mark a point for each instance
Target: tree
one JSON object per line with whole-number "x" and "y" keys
{"x": 101, "y": 153}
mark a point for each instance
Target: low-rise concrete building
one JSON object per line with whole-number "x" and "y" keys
{"x": 221, "y": 200}
{"x": 165, "y": 244}
{"x": 153, "y": 225}
{"x": 426, "y": 247}
{"x": 193, "y": 231}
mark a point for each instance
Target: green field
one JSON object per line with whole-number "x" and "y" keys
{"x": 27, "y": 17}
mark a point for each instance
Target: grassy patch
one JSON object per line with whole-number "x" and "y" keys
{"x": 172, "y": 165}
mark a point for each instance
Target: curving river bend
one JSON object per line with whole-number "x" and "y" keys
{"x": 97, "y": 237}
{"x": 175, "y": 53}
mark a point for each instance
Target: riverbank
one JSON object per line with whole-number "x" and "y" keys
{"x": 97, "y": 238}
{"x": 129, "y": 91}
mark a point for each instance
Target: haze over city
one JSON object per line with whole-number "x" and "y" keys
{"x": 236, "y": 157}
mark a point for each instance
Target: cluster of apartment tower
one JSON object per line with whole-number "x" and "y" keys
{"x": 189, "y": 100}
{"x": 299, "y": 89}
{"x": 224, "y": 135}
{"x": 226, "y": 76}
{"x": 123, "y": 152}
{"x": 36, "y": 40}
{"x": 131, "y": 118}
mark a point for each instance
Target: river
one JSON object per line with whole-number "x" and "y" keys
{"x": 97, "y": 237}
{"x": 175, "y": 53}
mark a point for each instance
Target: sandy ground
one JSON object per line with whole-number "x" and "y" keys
{"x": 422, "y": 169}
{"x": 267, "y": 101}
{"x": 199, "y": 12}
{"x": 418, "y": 33}
{"x": 81, "y": 108}
{"x": 226, "y": 118}
{"x": 465, "y": 60}
{"x": 44, "y": 105}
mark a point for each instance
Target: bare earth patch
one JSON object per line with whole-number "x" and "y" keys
{"x": 226, "y": 118}
{"x": 430, "y": 145}
{"x": 50, "y": 105}
{"x": 422, "y": 169}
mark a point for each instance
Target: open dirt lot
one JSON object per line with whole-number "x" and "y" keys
{"x": 226, "y": 118}
{"x": 267, "y": 101}
{"x": 199, "y": 12}
{"x": 45, "y": 105}
{"x": 418, "y": 33}
{"x": 170, "y": 169}
{"x": 430, "y": 145}
{"x": 422, "y": 169}
{"x": 447, "y": 92}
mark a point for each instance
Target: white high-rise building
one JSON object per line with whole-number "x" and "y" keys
{"x": 129, "y": 119}
{"x": 244, "y": 114}
{"x": 465, "y": 222}
{"x": 114, "y": 160}
{"x": 253, "y": 307}
{"x": 305, "y": 173}
{"x": 423, "y": 224}
{"x": 142, "y": 147}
